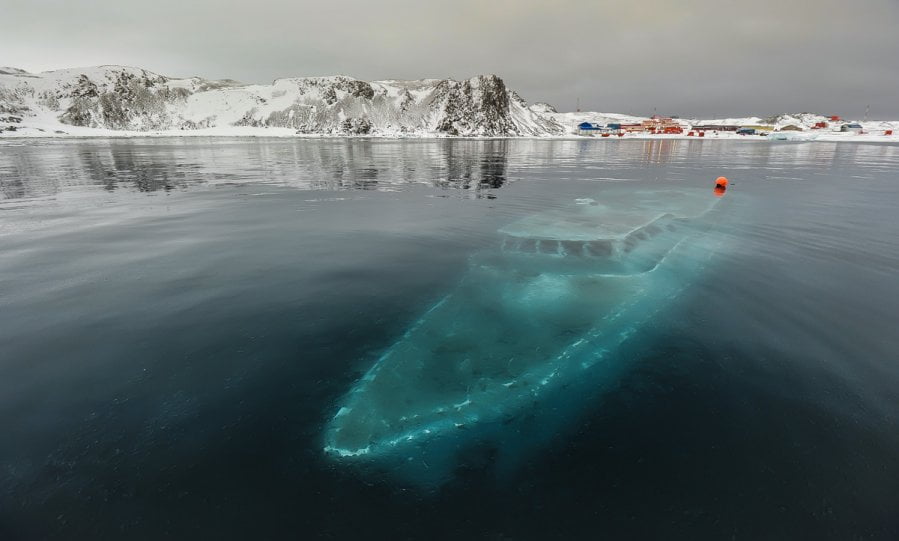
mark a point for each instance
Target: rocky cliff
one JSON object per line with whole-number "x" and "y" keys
{"x": 129, "y": 99}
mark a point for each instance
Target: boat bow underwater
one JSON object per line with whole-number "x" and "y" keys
{"x": 532, "y": 330}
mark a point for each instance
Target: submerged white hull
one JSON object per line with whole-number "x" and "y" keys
{"x": 527, "y": 331}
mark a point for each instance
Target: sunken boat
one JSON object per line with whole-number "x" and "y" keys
{"x": 534, "y": 328}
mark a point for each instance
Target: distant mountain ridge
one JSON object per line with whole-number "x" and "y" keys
{"x": 122, "y": 98}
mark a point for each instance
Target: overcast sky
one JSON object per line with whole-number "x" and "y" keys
{"x": 688, "y": 57}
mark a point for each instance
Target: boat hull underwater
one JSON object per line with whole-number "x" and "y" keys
{"x": 533, "y": 331}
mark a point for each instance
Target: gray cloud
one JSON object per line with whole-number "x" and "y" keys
{"x": 696, "y": 57}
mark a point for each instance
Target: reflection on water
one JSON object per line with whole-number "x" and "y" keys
{"x": 43, "y": 168}
{"x": 164, "y": 165}
{"x": 659, "y": 150}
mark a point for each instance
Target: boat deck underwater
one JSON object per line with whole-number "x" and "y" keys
{"x": 560, "y": 294}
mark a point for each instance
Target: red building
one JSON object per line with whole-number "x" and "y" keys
{"x": 660, "y": 124}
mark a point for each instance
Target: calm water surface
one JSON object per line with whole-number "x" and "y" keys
{"x": 178, "y": 319}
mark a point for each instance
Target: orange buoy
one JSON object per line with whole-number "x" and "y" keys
{"x": 720, "y": 186}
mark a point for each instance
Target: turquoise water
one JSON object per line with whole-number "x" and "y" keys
{"x": 180, "y": 319}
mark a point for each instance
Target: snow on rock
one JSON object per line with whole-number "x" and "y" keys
{"x": 7, "y": 70}
{"x": 541, "y": 107}
{"x": 122, "y": 99}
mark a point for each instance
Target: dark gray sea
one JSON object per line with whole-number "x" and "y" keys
{"x": 179, "y": 319}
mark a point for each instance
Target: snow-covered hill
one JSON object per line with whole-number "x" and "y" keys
{"x": 124, "y": 99}
{"x": 120, "y": 100}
